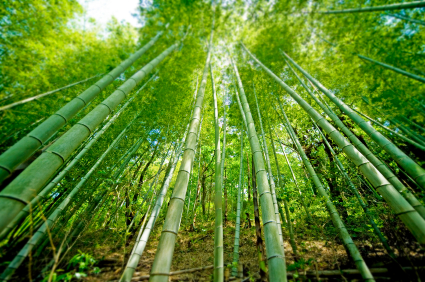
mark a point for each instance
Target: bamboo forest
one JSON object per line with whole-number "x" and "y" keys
{"x": 232, "y": 140}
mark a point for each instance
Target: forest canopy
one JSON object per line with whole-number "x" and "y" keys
{"x": 246, "y": 140}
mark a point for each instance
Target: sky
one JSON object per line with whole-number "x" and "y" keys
{"x": 103, "y": 10}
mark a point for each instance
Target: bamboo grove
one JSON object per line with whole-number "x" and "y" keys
{"x": 262, "y": 140}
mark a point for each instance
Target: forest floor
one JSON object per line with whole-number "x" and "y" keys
{"x": 195, "y": 249}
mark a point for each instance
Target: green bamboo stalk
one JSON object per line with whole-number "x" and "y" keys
{"x": 28, "y": 145}
{"x": 240, "y": 107}
{"x": 275, "y": 253}
{"x": 238, "y": 212}
{"x": 285, "y": 204}
{"x": 46, "y": 190}
{"x": 142, "y": 240}
{"x": 414, "y": 222}
{"x": 218, "y": 231}
{"x": 71, "y": 239}
{"x": 336, "y": 219}
{"x": 386, "y": 172}
{"x": 191, "y": 169}
{"x": 223, "y": 158}
{"x": 51, "y": 220}
{"x": 152, "y": 185}
{"x": 411, "y": 122}
{"x": 407, "y": 19}
{"x": 27, "y": 185}
{"x": 6, "y": 107}
{"x": 164, "y": 255}
{"x": 417, "y": 145}
{"x": 357, "y": 194}
{"x": 397, "y": 6}
{"x": 269, "y": 170}
{"x": 198, "y": 144}
{"x": 307, "y": 211}
{"x": 395, "y": 69}
{"x": 387, "y": 66}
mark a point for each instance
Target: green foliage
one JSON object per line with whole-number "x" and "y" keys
{"x": 43, "y": 47}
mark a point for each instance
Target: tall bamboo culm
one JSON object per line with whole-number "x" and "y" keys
{"x": 397, "y": 6}
{"x": 27, "y": 185}
{"x": 142, "y": 240}
{"x": 285, "y": 205}
{"x": 416, "y": 144}
{"x": 412, "y": 168}
{"x": 275, "y": 253}
{"x": 218, "y": 201}
{"x": 28, "y": 145}
{"x": 307, "y": 211}
{"x": 357, "y": 194}
{"x": 238, "y": 211}
{"x": 336, "y": 219}
{"x": 381, "y": 167}
{"x": 46, "y": 190}
{"x": 51, "y": 220}
{"x": 164, "y": 255}
{"x": 269, "y": 170}
{"x": 414, "y": 222}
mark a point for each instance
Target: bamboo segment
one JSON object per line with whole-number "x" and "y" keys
{"x": 238, "y": 212}
{"x": 275, "y": 253}
{"x": 269, "y": 168}
{"x": 142, "y": 240}
{"x": 28, "y": 145}
{"x": 417, "y": 145}
{"x": 27, "y": 185}
{"x": 218, "y": 202}
{"x": 407, "y": 19}
{"x": 412, "y": 168}
{"x": 336, "y": 219}
{"x": 307, "y": 211}
{"x": 285, "y": 205}
{"x": 386, "y": 172}
{"x": 46, "y": 190}
{"x": 164, "y": 254}
{"x": 397, "y": 6}
{"x": 223, "y": 157}
{"x": 241, "y": 109}
{"x": 414, "y": 222}
{"x": 41, "y": 232}
{"x": 151, "y": 186}
{"x": 397, "y": 70}
{"x": 6, "y": 107}
{"x": 356, "y": 193}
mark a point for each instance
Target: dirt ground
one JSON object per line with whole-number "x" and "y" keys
{"x": 195, "y": 249}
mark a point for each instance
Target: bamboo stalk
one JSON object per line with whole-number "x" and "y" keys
{"x": 382, "y": 168}
{"x": 28, "y": 145}
{"x": 275, "y": 254}
{"x": 333, "y": 213}
{"x": 356, "y": 193}
{"x": 41, "y": 232}
{"x": 143, "y": 238}
{"x": 164, "y": 255}
{"x": 238, "y": 211}
{"x": 6, "y": 107}
{"x": 417, "y": 145}
{"x": 285, "y": 205}
{"x": 414, "y": 222}
{"x": 218, "y": 201}
{"x": 270, "y": 174}
{"x": 407, "y": 19}
{"x": 397, "y": 6}
{"x": 26, "y": 186}
{"x": 46, "y": 190}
